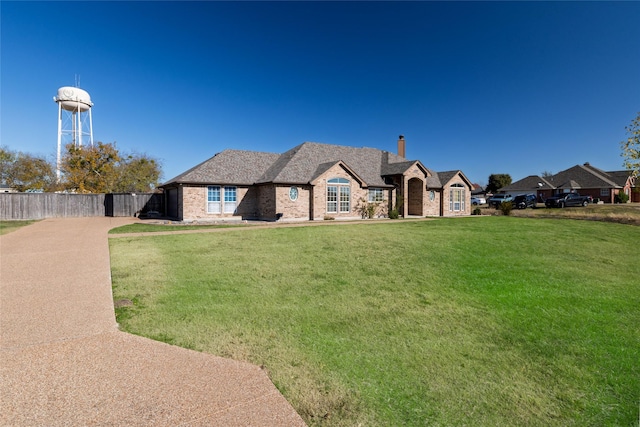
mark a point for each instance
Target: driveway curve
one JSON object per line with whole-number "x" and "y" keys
{"x": 63, "y": 360}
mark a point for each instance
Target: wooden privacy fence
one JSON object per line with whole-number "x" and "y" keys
{"x": 61, "y": 205}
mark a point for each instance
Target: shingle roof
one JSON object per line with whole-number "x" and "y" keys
{"x": 396, "y": 168}
{"x": 620, "y": 177}
{"x": 446, "y": 176}
{"x": 228, "y": 167}
{"x": 299, "y": 165}
{"x": 583, "y": 176}
{"x": 576, "y": 177}
{"x": 433, "y": 180}
{"x": 529, "y": 183}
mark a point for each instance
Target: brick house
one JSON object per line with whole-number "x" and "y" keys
{"x": 314, "y": 181}
{"x": 584, "y": 179}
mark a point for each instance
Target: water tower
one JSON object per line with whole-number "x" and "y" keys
{"x": 74, "y": 118}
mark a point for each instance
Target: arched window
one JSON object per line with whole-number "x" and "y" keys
{"x": 456, "y": 198}
{"x": 338, "y": 195}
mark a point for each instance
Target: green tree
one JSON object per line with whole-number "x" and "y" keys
{"x": 497, "y": 181}
{"x": 26, "y": 172}
{"x": 631, "y": 146}
{"x": 90, "y": 169}
{"x": 102, "y": 169}
{"x": 7, "y": 158}
{"x": 138, "y": 173}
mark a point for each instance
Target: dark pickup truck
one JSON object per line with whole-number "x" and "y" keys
{"x": 568, "y": 199}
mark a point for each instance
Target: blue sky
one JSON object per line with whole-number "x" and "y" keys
{"x": 485, "y": 87}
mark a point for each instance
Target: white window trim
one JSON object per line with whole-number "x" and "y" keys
{"x": 457, "y": 205}
{"x": 221, "y": 205}
{"x": 214, "y": 207}
{"x": 230, "y": 205}
{"x": 376, "y": 195}
{"x": 339, "y": 185}
{"x": 332, "y": 205}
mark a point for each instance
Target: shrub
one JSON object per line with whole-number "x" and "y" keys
{"x": 365, "y": 209}
{"x": 506, "y": 208}
{"x": 395, "y": 212}
{"x": 477, "y": 211}
{"x": 621, "y": 198}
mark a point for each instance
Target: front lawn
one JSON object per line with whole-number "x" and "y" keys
{"x": 624, "y": 213}
{"x": 9, "y": 226}
{"x": 469, "y": 321}
{"x": 157, "y": 228}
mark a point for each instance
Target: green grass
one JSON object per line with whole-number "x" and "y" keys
{"x": 9, "y": 226}
{"x": 626, "y": 213}
{"x": 470, "y": 321}
{"x": 154, "y": 228}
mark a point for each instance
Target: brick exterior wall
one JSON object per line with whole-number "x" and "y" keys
{"x": 432, "y": 207}
{"x": 293, "y": 209}
{"x": 319, "y": 191}
{"x": 267, "y": 202}
{"x": 413, "y": 188}
{"x": 446, "y": 209}
{"x": 194, "y": 204}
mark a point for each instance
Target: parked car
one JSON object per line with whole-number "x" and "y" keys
{"x": 497, "y": 199}
{"x": 477, "y": 200}
{"x": 524, "y": 201}
{"x": 568, "y": 199}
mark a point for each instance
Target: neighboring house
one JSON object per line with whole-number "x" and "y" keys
{"x": 314, "y": 181}
{"x": 533, "y": 184}
{"x": 584, "y": 179}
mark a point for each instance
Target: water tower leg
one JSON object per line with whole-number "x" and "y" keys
{"x": 59, "y": 141}
{"x": 79, "y": 128}
{"x": 90, "y": 128}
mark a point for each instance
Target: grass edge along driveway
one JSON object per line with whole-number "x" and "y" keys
{"x": 491, "y": 321}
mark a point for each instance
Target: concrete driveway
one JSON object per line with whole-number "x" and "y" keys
{"x": 64, "y": 362}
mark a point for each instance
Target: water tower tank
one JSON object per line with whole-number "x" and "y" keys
{"x": 74, "y": 119}
{"x": 73, "y": 99}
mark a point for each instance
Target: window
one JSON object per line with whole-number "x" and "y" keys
{"x": 338, "y": 195}
{"x": 214, "y": 204}
{"x": 604, "y": 192}
{"x": 376, "y": 195}
{"x": 293, "y": 194}
{"x": 345, "y": 198}
{"x": 332, "y": 199}
{"x": 229, "y": 199}
{"x": 213, "y": 199}
{"x": 456, "y": 198}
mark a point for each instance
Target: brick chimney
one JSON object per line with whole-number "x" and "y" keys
{"x": 401, "y": 146}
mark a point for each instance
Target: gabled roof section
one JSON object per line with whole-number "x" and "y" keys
{"x": 326, "y": 166}
{"x": 399, "y": 168}
{"x": 583, "y": 176}
{"x": 228, "y": 167}
{"x": 433, "y": 180}
{"x": 301, "y": 164}
{"x": 447, "y": 176}
{"x": 620, "y": 177}
{"x": 396, "y": 168}
{"x": 529, "y": 184}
